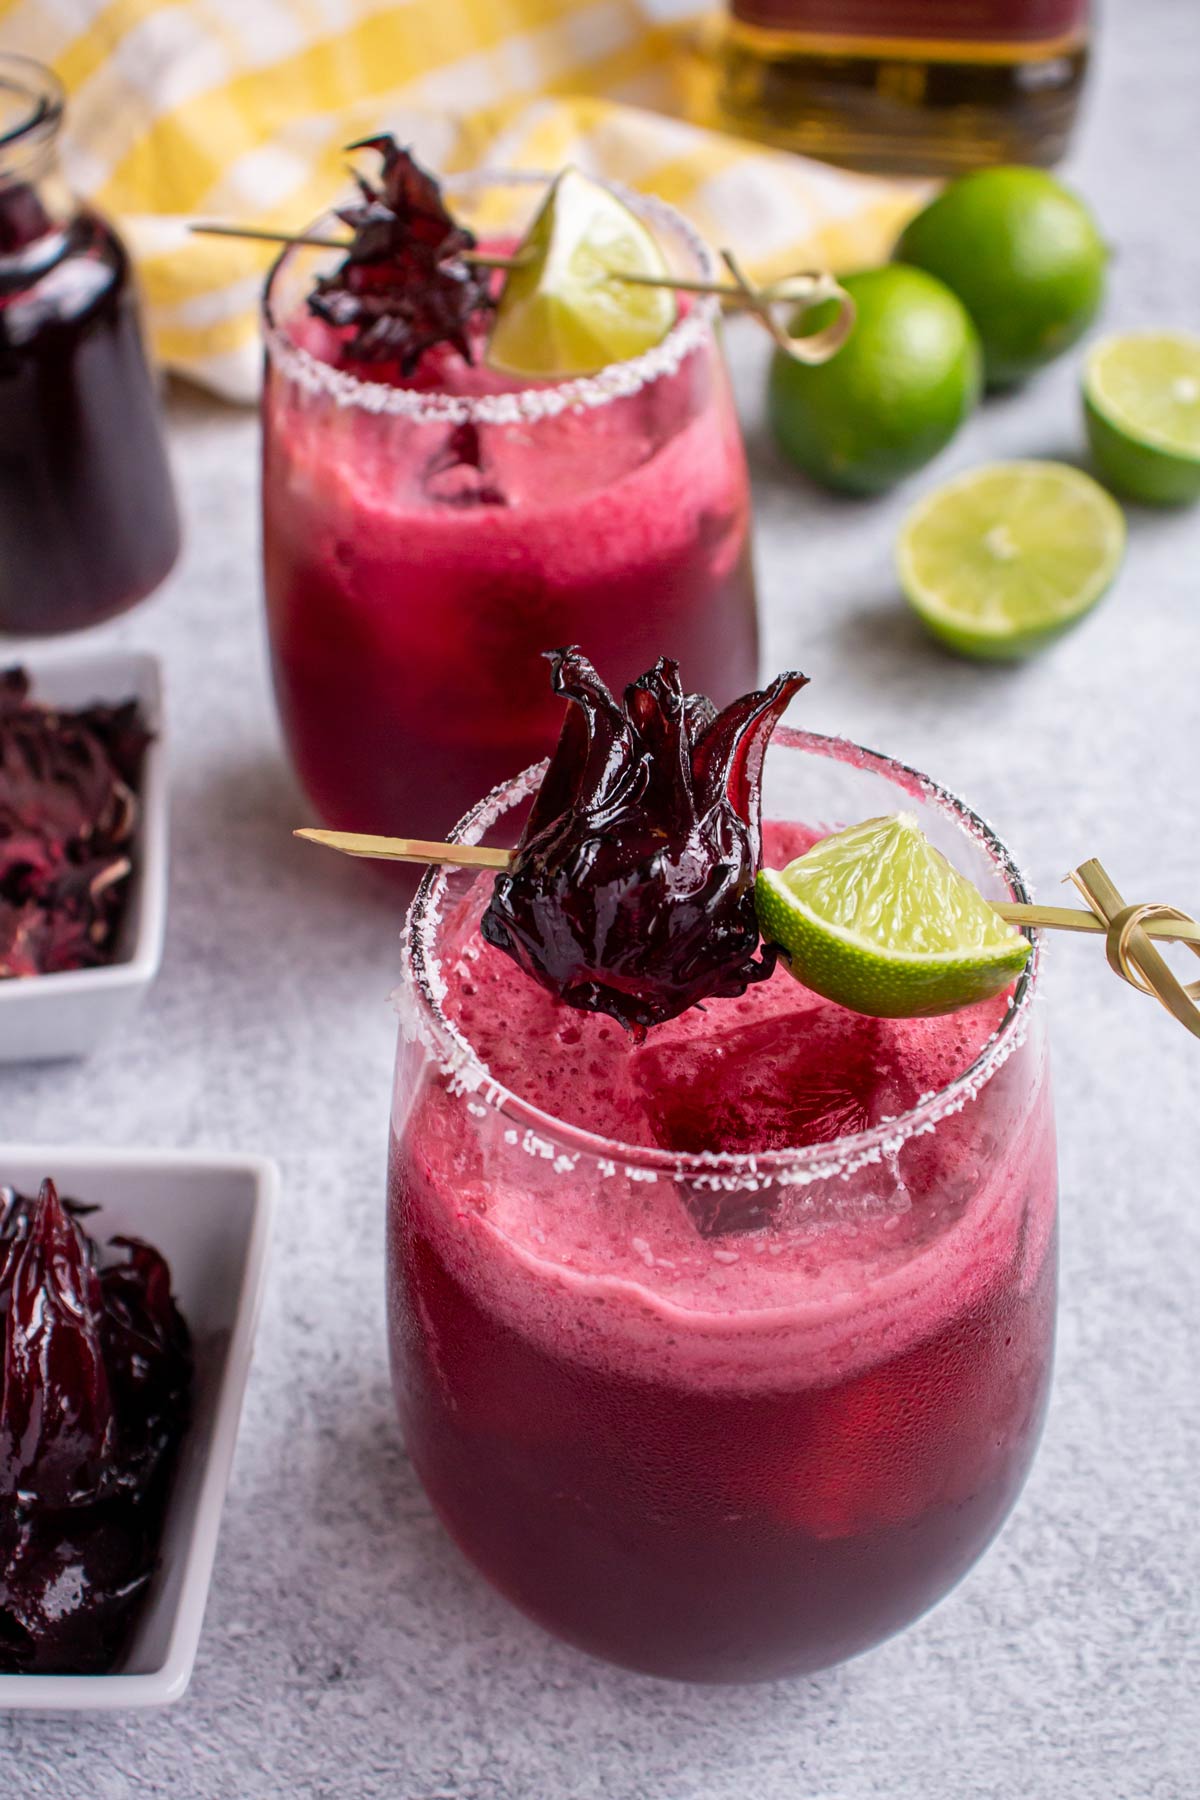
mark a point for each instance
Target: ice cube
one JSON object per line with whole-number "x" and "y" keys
{"x": 795, "y": 1078}
{"x": 458, "y": 474}
{"x": 785, "y": 1081}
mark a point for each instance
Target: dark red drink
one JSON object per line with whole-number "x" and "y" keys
{"x": 426, "y": 537}
{"x": 87, "y": 515}
{"x": 710, "y": 1453}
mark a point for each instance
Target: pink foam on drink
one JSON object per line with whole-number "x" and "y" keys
{"x": 602, "y": 1258}
{"x": 660, "y": 471}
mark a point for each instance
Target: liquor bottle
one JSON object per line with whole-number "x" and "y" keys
{"x": 914, "y": 86}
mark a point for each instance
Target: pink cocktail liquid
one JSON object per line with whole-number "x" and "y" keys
{"x": 418, "y": 563}
{"x": 732, "y": 1455}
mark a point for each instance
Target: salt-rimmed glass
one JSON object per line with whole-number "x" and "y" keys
{"x": 705, "y": 1475}
{"x": 423, "y": 545}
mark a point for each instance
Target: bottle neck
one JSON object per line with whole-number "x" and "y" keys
{"x": 35, "y": 203}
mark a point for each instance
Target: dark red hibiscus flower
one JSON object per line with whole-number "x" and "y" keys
{"x": 404, "y": 286}
{"x": 95, "y": 1387}
{"x": 631, "y": 891}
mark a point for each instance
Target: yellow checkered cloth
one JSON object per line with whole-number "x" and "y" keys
{"x": 239, "y": 110}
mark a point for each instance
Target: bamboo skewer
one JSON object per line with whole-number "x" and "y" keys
{"x": 482, "y": 856}
{"x": 257, "y": 235}
{"x": 408, "y": 850}
{"x": 1131, "y": 932}
{"x": 806, "y": 288}
{"x": 1130, "y": 953}
{"x": 811, "y": 285}
{"x": 1073, "y": 918}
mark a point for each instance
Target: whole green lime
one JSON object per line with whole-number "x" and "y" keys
{"x": 1024, "y": 256}
{"x": 894, "y": 394}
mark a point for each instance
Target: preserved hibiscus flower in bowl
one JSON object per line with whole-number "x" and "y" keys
{"x": 82, "y": 850}
{"x": 129, "y": 1292}
{"x": 96, "y": 1402}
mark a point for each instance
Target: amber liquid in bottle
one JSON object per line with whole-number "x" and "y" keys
{"x": 905, "y": 86}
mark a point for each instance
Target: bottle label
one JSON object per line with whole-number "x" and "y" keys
{"x": 846, "y": 22}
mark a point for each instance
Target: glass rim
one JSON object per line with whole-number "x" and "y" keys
{"x": 36, "y": 84}
{"x": 724, "y": 1170}
{"x": 519, "y": 405}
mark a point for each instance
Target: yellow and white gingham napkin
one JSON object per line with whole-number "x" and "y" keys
{"x": 239, "y": 110}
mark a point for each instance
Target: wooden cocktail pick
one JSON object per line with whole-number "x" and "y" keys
{"x": 806, "y": 288}
{"x": 1130, "y": 932}
{"x": 407, "y": 850}
{"x": 1131, "y": 955}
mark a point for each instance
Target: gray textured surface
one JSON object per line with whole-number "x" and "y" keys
{"x": 348, "y": 1652}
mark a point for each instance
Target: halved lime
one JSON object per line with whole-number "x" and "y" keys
{"x": 1002, "y": 560}
{"x": 560, "y": 311}
{"x": 875, "y": 918}
{"x": 1141, "y": 395}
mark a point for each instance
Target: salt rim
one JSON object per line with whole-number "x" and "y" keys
{"x": 419, "y": 999}
{"x": 522, "y": 405}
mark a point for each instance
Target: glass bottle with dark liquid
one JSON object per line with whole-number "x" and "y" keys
{"x": 88, "y": 524}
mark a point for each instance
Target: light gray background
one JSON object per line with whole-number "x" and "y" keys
{"x": 348, "y": 1651}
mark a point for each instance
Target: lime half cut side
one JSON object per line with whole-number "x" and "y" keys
{"x": 1141, "y": 396}
{"x": 876, "y": 919}
{"x": 1004, "y": 559}
{"x": 561, "y": 312}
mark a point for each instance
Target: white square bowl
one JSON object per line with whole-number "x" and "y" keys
{"x": 69, "y": 1014}
{"x": 211, "y": 1218}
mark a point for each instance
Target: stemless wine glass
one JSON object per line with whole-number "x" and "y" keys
{"x": 694, "y": 1477}
{"x": 425, "y": 540}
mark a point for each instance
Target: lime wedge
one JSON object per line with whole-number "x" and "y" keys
{"x": 1141, "y": 396}
{"x": 561, "y": 312}
{"x": 875, "y": 918}
{"x": 1001, "y": 561}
